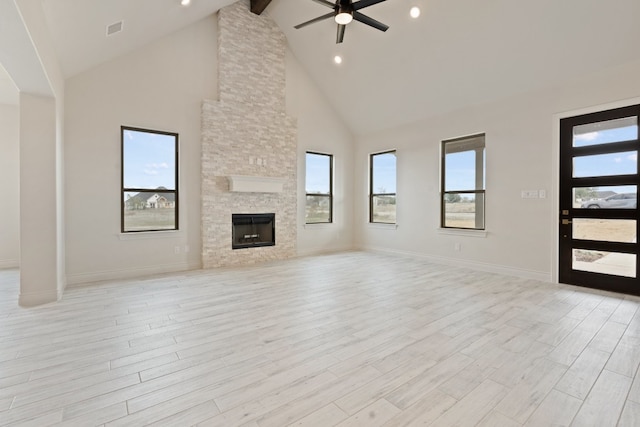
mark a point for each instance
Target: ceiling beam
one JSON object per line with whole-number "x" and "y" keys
{"x": 258, "y": 6}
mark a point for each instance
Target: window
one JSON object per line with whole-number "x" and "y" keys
{"x": 382, "y": 187}
{"x": 319, "y": 188}
{"x": 149, "y": 180}
{"x": 463, "y": 191}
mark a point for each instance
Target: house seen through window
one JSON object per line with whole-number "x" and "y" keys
{"x": 382, "y": 187}
{"x": 319, "y": 188}
{"x": 463, "y": 183}
{"x": 149, "y": 180}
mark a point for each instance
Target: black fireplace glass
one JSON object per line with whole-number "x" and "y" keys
{"x": 253, "y": 230}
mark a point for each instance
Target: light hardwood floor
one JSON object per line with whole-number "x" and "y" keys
{"x": 350, "y": 339}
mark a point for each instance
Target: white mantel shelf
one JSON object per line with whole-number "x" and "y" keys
{"x": 255, "y": 184}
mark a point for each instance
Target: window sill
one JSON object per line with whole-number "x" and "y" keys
{"x": 382, "y": 225}
{"x": 463, "y": 232}
{"x": 141, "y": 235}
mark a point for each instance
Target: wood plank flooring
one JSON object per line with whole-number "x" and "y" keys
{"x": 349, "y": 339}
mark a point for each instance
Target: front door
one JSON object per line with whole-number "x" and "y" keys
{"x": 598, "y": 242}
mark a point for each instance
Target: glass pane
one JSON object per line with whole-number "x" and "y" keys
{"x": 318, "y": 173}
{"x": 384, "y": 173}
{"x": 149, "y": 160}
{"x": 606, "y": 230}
{"x": 318, "y": 209}
{"x": 464, "y": 210}
{"x": 464, "y": 164}
{"x": 624, "y": 129}
{"x": 625, "y": 163}
{"x": 149, "y": 211}
{"x": 614, "y": 263}
{"x": 460, "y": 171}
{"x": 384, "y": 209}
{"x": 605, "y": 197}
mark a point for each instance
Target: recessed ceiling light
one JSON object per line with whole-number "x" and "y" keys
{"x": 414, "y": 12}
{"x": 185, "y": 2}
{"x": 337, "y": 59}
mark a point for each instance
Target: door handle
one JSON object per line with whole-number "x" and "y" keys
{"x": 566, "y": 221}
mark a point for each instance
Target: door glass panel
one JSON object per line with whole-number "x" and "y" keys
{"x": 614, "y": 263}
{"x": 623, "y": 129}
{"x": 599, "y": 217}
{"x": 606, "y": 197}
{"x": 605, "y": 230}
{"x": 624, "y": 163}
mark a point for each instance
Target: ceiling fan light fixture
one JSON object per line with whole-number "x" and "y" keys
{"x": 345, "y": 11}
{"x": 344, "y": 16}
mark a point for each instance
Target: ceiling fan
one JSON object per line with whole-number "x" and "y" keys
{"x": 344, "y": 11}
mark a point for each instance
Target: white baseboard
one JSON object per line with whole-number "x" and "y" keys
{"x": 324, "y": 251}
{"x": 32, "y": 299}
{"x": 98, "y": 276}
{"x": 542, "y": 276}
{"x": 9, "y": 263}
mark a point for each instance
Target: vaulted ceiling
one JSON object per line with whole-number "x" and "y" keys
{"x": 456, "y": 54}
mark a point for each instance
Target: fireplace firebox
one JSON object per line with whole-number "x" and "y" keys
{"x": 253, "y": 230}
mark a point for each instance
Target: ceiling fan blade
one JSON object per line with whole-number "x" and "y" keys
{"x": 314, "y": 20}
{"x": 364, "y": 3}
{"x": 370, "y": 21}
{"x": 340, "y": 35}
{"x": 326, "y": 3}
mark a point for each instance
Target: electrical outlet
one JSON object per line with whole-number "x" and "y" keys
{"x": 456, "y": 247}
{"x": 176, "y": 250}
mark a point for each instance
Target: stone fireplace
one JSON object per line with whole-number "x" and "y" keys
{"x": 249, "y": 144}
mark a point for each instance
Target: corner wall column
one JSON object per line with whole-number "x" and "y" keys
{"x": 39, "y": 239}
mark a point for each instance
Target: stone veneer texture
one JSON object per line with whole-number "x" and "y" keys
{"x": 248, "y": 133}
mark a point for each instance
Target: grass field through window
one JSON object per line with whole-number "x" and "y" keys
{"x": 149, "y": 219}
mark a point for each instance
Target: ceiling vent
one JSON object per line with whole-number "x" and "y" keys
{"x": 114, "y": 28}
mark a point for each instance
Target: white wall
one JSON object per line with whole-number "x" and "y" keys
{"x": 521, "y": 154}
{"x": 161, "y": 87}
{"x": 10, "y": 177}
{"x": 33, "y": 66}
{"x": 321, "y": 130}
